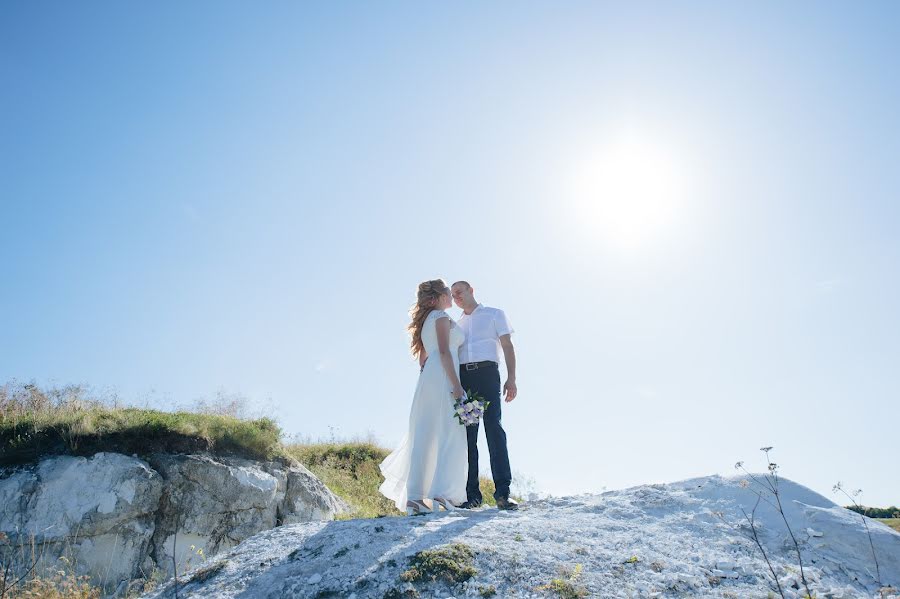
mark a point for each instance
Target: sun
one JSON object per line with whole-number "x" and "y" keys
{"x": 629, "y": 193}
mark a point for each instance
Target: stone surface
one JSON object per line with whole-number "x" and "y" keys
{"x": 99, "y": 512}
{"x": 684, "y": 539}
{"x": 118, "y": 517}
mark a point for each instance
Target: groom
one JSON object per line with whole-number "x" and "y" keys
{"x": 486, "y": 329}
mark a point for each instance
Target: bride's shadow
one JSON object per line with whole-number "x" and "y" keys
{"x": 360, "y": 556}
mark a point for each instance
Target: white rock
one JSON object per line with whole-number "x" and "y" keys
{"x": 609, "y": 527}
{"x": 115, "y": 515}
{"x": 315, "y": 579}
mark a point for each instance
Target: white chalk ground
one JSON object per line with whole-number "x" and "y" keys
{"x": 676, "y": 531}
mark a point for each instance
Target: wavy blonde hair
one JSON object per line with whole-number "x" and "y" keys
{"x": 428, "y": 296}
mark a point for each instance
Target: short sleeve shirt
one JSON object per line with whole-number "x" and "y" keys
{"x": 483, "y": 329}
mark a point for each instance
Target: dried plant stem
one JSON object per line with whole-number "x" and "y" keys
{"x": 769, "y": 484}
{"x": 751, "y": 518}
{"x": 794, "y": 539}
{"x": 839, "y": 487}
{"x": 5, "y": 586}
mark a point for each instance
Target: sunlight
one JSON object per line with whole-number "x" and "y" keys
{"x": 629, "y": 193}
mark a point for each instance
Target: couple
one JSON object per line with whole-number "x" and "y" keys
{"x": 436, "y": 464}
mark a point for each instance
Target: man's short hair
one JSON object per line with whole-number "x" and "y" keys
{"x": 466, "y": 283}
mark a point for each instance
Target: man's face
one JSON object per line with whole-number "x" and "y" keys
{"x": 461, "y": 294}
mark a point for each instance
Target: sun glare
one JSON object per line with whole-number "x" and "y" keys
{"x": 629, "y": 193}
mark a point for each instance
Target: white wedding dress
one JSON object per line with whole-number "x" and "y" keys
{"x": 432, "y": 459}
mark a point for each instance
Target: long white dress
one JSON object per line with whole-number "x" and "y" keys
{"x": 432, "y": 459}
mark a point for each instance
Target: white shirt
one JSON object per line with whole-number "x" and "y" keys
{"x": 483, "y": 329}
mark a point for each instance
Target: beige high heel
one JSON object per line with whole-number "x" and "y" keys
{"x": 417, "y": 508}
{"x": 444, "y": 503}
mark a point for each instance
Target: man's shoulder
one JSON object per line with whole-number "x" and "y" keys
{"x": 491, "y": 309}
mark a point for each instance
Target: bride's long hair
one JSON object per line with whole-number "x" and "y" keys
{"x": 428, "y": 297}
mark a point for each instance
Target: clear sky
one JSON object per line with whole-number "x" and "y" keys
{"x": 689, "y": 213}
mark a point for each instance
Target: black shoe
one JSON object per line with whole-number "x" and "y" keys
{"x": 505, "y": 503}
{"x": 469, "y": 505}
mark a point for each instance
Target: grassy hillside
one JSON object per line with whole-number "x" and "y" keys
{"x": 35, "y": 423}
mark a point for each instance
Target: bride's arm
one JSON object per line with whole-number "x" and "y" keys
{"x": 443, "y": 339}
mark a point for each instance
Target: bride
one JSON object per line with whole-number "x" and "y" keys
{"x": 430, "y": 466}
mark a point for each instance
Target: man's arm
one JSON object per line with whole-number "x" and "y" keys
{"x": 509, "y": 354}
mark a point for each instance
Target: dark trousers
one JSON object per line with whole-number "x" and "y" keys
{"x": 486, "y": 382}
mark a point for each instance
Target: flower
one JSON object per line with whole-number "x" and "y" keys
{"x": 469, "y": 408}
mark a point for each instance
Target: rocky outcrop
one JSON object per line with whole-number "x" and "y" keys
{"x": 685, "y": 539}
{"x": 120, "y": 518}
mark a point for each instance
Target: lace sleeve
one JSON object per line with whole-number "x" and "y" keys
{"x": 437, "y": 314}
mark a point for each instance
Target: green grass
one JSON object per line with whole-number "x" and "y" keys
{"x": 892, "y": 522}
{"x": 36, "y": 422}
{"x": 86, "y": 431}
{"x": 351, "y": 471}
{"x": 566, "y": 586}
{"x": 453, "y": 563}
{"x": 487, "y": 491}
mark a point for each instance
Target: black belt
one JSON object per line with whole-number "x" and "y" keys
{"x": 477, "y": 365}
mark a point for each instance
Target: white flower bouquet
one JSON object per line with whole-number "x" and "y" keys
{"x": 469, "y": 408}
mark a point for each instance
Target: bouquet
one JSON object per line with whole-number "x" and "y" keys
{"x": 469, "y": 408}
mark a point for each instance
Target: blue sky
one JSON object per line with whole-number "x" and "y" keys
{"x": 688, "y": 213}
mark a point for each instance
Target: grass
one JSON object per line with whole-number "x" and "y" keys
{"x": 566, "y": 585}
{"x": 453, "y": 563}
{"x": 892, "y": 522}
{"x": 351, "y": 471}
{"x": 487, "y": 491}
{"x": 35, "y": 423}
{"x": 58, "y": 585}
{"x": 22, "y": 574}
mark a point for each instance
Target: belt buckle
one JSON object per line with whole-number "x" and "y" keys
{"x": 472, "y": 366}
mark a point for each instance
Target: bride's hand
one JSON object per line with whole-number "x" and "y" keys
{"x": 458, "y": 391}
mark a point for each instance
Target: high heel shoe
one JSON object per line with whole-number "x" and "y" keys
{"x": 444, "y": 503}
{"x": 417, "y": 508}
